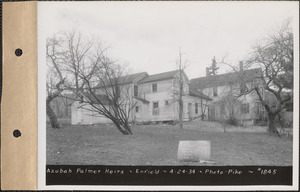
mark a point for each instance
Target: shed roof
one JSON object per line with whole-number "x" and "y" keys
{"x": 142, "y": 100}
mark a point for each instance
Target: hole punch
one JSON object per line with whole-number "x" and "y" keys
{"x": 18, "y": 52}
{"x": 17, "y": 133}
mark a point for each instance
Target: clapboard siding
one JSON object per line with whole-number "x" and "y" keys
{"x": 162, "y": 86}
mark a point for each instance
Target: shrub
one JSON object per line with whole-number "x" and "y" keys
{"x": 232, "y": 121}
{"x": 146, "y": 122}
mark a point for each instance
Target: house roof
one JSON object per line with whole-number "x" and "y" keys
{"x": 193, "y": 92}
{"x": 225, "y": 79}
{"x": 130, "y": 78}
{"x": 142, "y": 100}
{"x": 123, "y": 79}
{"x": 160, "y": 76}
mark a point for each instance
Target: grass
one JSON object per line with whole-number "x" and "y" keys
{"x": 158, "y": 145}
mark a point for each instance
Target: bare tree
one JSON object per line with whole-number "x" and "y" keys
{"x": 229, "y": 106}
{"x": 229, "y": 99}
{"x": 210, "y": 71}
{"x": 204, "y": 108}
{"x": 111, "y": 98}
{"x": 274, "y": 55}
{"x": 66, "y": 54}
{"x": 55, "y": 80}
{"x": 79, "y": 55}
{"x": 90, "y": 77}
{"x": 61, "y": 105}
{"x": 179, "y": 87}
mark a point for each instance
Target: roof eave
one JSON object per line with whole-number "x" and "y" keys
{"x": 150, "y": 81}
{"x": 202, "y": 97}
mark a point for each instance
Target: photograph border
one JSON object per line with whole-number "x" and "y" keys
{"x": 42, "y": 135}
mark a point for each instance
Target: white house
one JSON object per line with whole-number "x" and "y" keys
{"x": 153, "y": 98}
{"x": 224, "y": 88}
{"x": 160, "y": 101}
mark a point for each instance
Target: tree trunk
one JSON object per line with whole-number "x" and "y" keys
{"x": 124, "y": 129}
{"x": 128, "y": 129}
{"x": 180, "y": 113}
{"x": 271, "y": 127}
{"x": 66, "y": 111}
{"x": 202, "y": 117}
{"x": 51, "y": 115}
{"x": 66, "y": 108}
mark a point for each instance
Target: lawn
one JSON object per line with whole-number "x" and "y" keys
{"x": 158, "y": 145}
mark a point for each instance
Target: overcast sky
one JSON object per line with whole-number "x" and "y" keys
{"x": 148, "y": 35}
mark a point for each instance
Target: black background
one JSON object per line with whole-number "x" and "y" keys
{"x": 283, "y": 175}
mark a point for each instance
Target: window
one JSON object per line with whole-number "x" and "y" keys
{"x": 136, "y": 109}
{"x": 196, "y": 108}
{"x": 154, "y": 87}
{"x": 215, "y": 91}
{"x": 166, "y": 102}
{"x": 245, "y": 108}
{"x": 135, "y": 90}
{"x": 155, "y": 108}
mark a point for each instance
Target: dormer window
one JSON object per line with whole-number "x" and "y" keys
{"x": 135, "y": 90}
{"x": 154, "y": 87}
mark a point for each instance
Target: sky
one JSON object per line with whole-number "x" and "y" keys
{"x": 147, "y": 36}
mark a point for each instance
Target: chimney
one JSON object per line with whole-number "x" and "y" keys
{"x": 241, "y": 66}
{"x": 207, "y": 72}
